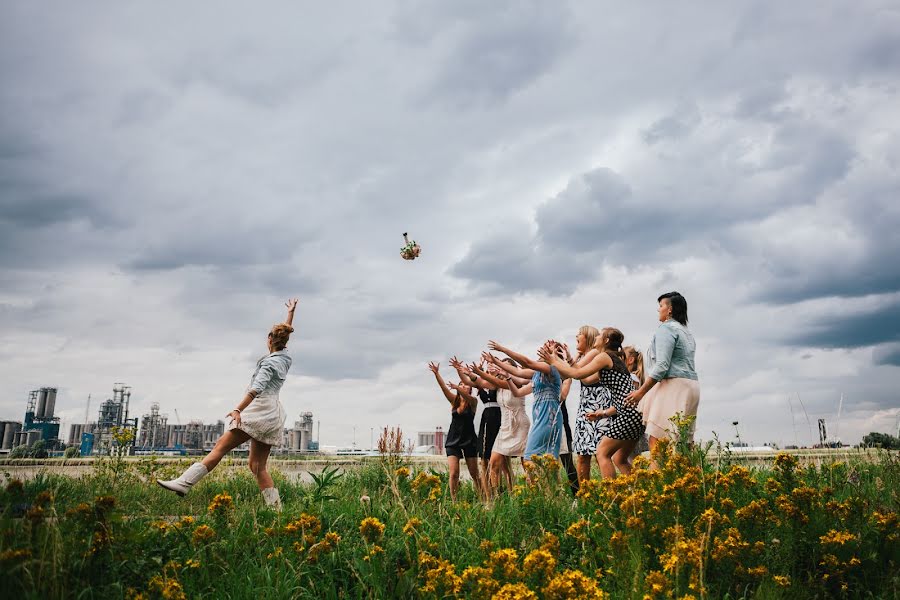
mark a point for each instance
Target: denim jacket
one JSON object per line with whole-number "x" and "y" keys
{"x": 271, "y": 371}
{"x": 671, "y": 353}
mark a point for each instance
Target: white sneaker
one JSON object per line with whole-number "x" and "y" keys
{"x": 183, "y": 484}
{"x": 272, "y": 498}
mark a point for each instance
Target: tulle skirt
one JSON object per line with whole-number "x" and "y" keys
{"x": 668, "y": 398}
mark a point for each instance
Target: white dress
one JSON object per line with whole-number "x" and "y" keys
{"x": 264, "y": 418}
{"x": 514, "y": 425}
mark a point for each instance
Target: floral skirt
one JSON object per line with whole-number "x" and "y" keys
{"x": 263, "y": 420}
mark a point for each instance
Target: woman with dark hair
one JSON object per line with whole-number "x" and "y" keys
{"x": 258, "y": 417}
{"x": 624, "y": 427}
{"x": 490, "y": 415}
{"x": 672, "y": 385}
{"x": 462, "y": 442}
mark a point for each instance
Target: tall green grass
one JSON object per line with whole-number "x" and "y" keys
{"x": 696, "y": 526}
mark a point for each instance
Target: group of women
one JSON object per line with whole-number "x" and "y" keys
{"x": 618, "y": 403}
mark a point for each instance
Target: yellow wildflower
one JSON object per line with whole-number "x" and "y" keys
{"x": 402, "y": 472}
{"x": 573, "y": 584}
{"x": 221, "y": 504}
{"x": 478, "y": 583}
{"x": 203, "y": 533}
{"x": 837, "y": 538}
{"x": 371, "y": 529}
{"x": 539, "y": 562}
{"x": 503, "y": 562}
{"x": 782, "y": 580}
{"x": 515, "y": 591}
{"x": 578, "y": 530}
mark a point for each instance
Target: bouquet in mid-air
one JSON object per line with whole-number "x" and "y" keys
{"x": 411, "y": 250}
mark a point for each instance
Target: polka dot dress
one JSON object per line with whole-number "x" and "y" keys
{"x": 627, "y": 423}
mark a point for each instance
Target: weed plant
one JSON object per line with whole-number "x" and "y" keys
{"x": 696, "y": 526}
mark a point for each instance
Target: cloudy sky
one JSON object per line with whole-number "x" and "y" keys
{"x": 170, "y": 175}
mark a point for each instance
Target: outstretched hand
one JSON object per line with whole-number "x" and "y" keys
{"x": 434, "y": 367}
{"x": 292, "y": 304}
{"x": 634, "y": 397}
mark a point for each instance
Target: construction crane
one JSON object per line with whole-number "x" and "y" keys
{"x": 87, "y": 410}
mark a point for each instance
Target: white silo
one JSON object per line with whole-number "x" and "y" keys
{"x": 41, "y": 404}
{"x": 9, "y": 434}
{"x": 50, "y": 404}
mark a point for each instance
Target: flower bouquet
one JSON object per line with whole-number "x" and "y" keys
{"x": 411, "y": 250}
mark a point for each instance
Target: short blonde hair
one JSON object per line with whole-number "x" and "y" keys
{"x": 280, "y": 335}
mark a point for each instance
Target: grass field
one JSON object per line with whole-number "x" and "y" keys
{"x": 700, "y": 526}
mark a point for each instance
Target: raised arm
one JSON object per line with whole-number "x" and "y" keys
{"x": 564, "y": 390}
{"x": 511, "y": 369}
{"x": 600, "y": 361}
{"x": 469, "y": 376}
{"x": 523, "y": 360}
{"x": 435, "y": 368}
{"x": 291, "y": 306}
{"x": 483, "y": 375}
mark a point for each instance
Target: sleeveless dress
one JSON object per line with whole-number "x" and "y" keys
{"x": 588, "y": 434}
{"x": 263, "y": 420}
{"x": 546, "y": 431}
{"x": 461, "y": 437}
{"x": 514, "y": 425}
{"x": 627, "y": 423}
{"x": 490, "y": 422}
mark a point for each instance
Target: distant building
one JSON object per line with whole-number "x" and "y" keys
{"x": 8, "y": 432}
{"x": 434, "y": 439}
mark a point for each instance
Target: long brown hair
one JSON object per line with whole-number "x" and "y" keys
{"x": 638, "y": 368}
{"x": 614, "y": 339}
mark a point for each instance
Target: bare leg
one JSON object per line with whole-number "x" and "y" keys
{"x": 605, "y": 451}
{"x": 507, "y": 468}
{"x": 230, "y": 440}
{"x": 453, "y": 465}
{"x": 621, "y": 459}
{"x": 472, "y": 463}
{"x": 259, "y": 457}
{"x": 486, "y": 476}
{"x": 497, "y": 467}
{"x": 583, "y": 466}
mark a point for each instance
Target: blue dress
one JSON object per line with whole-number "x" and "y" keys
{"x": 545, "y": 434}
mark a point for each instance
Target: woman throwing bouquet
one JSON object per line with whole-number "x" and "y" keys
{"x": 258, "y": 417}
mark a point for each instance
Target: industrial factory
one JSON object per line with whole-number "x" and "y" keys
{"x": 152, "y": 433}
{"x": 39, "y": 424}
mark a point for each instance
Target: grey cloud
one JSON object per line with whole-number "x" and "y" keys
{"x": 888, "y": 354}
{"x": 511, "y": 262}
{"x": 859, "y": 329}
{"x": 492, "y": 55}
{"x": 674, "y": 126}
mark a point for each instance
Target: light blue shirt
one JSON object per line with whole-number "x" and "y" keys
{"x": 271, "y": 371}
{"x": 671, "y": 353}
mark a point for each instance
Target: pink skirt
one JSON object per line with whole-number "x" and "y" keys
{"x": 668, "y": 398}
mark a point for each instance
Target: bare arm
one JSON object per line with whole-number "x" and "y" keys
{"x": 435, "y": 368}
{"x": 511, "y": 369}
{"x": 600, "y": 361}
{"x": 635, "y": 396}
{"x": 291, "y": 306}
{"x": 528, "y": 363}
{"x": 519, "y": 392}
{"x": 564, "y": 390}
{"x": 495, "y": 381}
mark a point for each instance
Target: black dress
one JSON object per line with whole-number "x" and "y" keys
{"x": 462, "y": 441}
{"x": 490, "y": 422}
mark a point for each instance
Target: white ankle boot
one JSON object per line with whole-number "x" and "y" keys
{"x": 272, "y": 498}
{"x": 183, "y": 484}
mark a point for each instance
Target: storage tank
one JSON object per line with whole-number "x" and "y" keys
{"x": 50, "y": 405}
{"x": 41, "y": 404}
{"x": 2, "y": 429}
{"x": 33, "y": 435}
{"x": 304, "y": 439}
{"x": 9, "y": 434}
